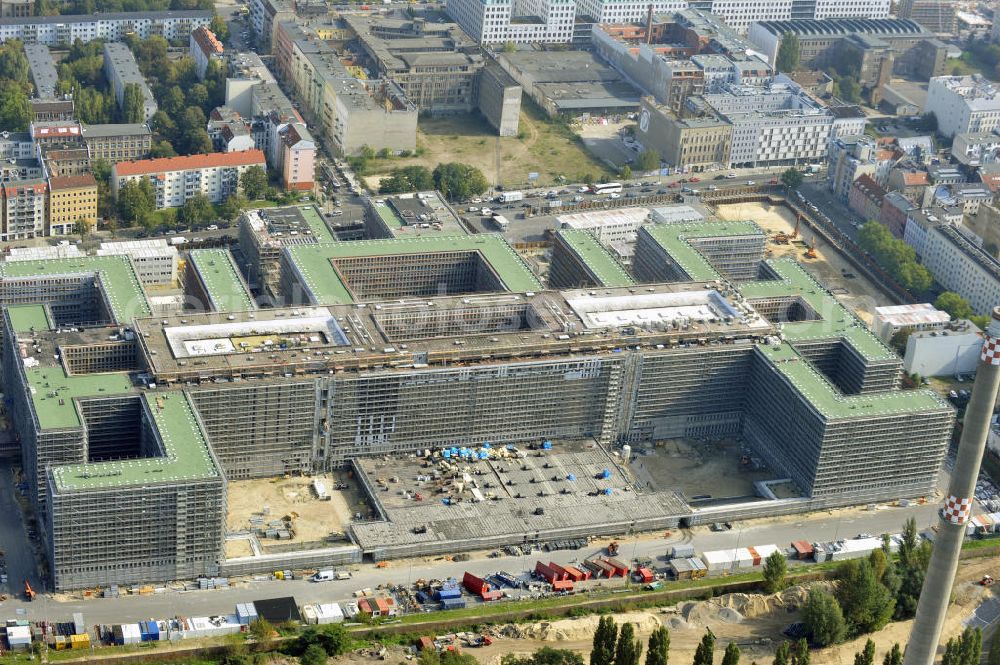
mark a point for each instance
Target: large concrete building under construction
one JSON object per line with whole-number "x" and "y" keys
{"x": 400, "y": 345}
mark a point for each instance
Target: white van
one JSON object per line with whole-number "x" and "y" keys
{"x": 324, "y": 576}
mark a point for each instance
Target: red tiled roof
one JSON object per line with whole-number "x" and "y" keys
{"x": 992, "y": 182}
{"x": 191, "y": 162}
{"x": 867, "y": 186}
{"x": 207, "y": 41}
{"x": 915, "y": 178}
{"x": 72, "y": 181}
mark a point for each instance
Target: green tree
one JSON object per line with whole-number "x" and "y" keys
{"x": 407, "y": 179}
{"x": 459, "y": 181}
{"x": 899, "y": 340}
{"x": 867, "y": 656}
{"x": 605, "y": 638}
{"x": 197, "y": 142}
{"x": 136, "y": 200}
{"x": 823, "y": 618}
{"x": 162, "y": 149}
{"x": 914, "y": 556}
{"x": 956, "y": 306}
{"x": 705, "y": 653}
{"x": 550, "y": 656}
{"x": 15, "y": 114}
{"x": 732, "y": 654}
{"x": 801, "y": 655}
{"x": 233, "y": 206}
{"x": 13, "y": 61}
{"x": 658, "y": 648}
{"x": 313, "y": 655}
{"x": 196, "y": 210}
{"x": 626, "y": 172}
{"x": 219, "y": 27}
{"x": 789, "y": 52}
{"x": 197, "y": 96}
{"x": 775, "y": 569}
{"x": 172, "y": 100}
{"x": 893, "y": 656}
{"x": 133, "y": 110}
{"x": 783, "y": 656}
{"x": 262, "y": 633}
{"x": 253, "y": 181}
{"x": 868, "y": 605}
{"x": 628, "y": 649}
{"x": 648, "y": 160}
{"x": 509, "y": 47}
{"x": 966, "y": 649}
{"x": 895, "y": 256}
{"x": 791, "y": 178}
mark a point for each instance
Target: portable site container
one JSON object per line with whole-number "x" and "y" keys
{"x": 682, "y": 551}
{"x": 383, "y": 607}
{"x": 425, "y": 644}
{"x": 559, "y": 570}
{"x": 620, "y": 568}
{"x": 451, "y": 591}
{"x": 61, "y": 642}
{"x": 562, "y": 585}
{"x": 18, "y": 637}
{"x": 491, "y": 595}
{"x": 607, "y": 570}
{"x": 761, "y": 552}
{"x": 127, "y": 633}
{"x": 474, "y": 585}
{"x": 329, "y": 613}
{"x": 149, "y": 631}
{"x": 246, "y": 613}
{"x": 996, "y": 521}
{"x": 743, "y": 558}
{"x": 576, "y": 574}
{"x": 81, "y": 641}
{"x": 803, "y": 550}
{"x": 365, "y": 607}
{"x": 78, "y": 626}
{"x": 452, "y": 603}
{"x": 644, "y": 574}
{"x": 309, "y": 615}
{"x": 545, "y": 572}
{"x": 719, "y": 560}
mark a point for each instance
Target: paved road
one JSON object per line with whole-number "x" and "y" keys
{"x": 985, "y": 615}
{"x": 17, "y": 552}
{"x": 818, "y": 527}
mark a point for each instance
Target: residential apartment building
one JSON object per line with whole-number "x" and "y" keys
{"x": 976, "y": 148}
{"x": 23, "y": 214}
{"x": 42, "y": 70}
{"x": 850, "y": 157}
{"x": 696, "y": 143}
{"x": 346, "y": 112}
{"x": 117, "y": 142}
{"x": 111, "y": 27}
{"x": 121, "y": 70}
{"x": 175, "y": 179}
{"x": 298, "y": 157}
{"x": 265, "y": 15}
{"x": 865, "y": 198}
{"x": 895, "y": 210}
{"x": 963, "y": 104}
{"x": 72, "y": 200}
{"x": 204, "y": 47}
{"x": 960, "y": 265}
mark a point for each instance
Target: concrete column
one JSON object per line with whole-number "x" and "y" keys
{"x": 957, "y": 509}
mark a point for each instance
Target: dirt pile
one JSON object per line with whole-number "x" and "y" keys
{"x": 568, "y": 630}
{"x": 735, "y": 607}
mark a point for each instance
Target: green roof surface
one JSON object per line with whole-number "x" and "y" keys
{"x": 673, "y": 239}
{"x": 222, "y": 280}
{"x": 319, "y": 229}
{"x": 597, "y": 258}
{"x": 53, "y": 392}
{"x": 187, "y": 455}
{"x": 24, "y": 318}
{"x": 121, "y": 285}
{"x": 314, "y": 261}
{"x": 836, "y": 322}
{"x": 388, "y": 216}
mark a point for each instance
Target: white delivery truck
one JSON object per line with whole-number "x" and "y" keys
{"x": 510, "y": 197}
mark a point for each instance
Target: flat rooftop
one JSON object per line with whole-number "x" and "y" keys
{"x": 223, "y": 284}
{"x": 289, "y": 225}
{"x": 422, "y": 213}
{"x": 185, "y": 455}
{"x": 673, "y": 238}
{"x": 314, "y": 262}
{"x": 596, "y": 257}
{"x": 560, "y": 492}
{"x": 122, "y": 287}
{"x": 912, "y": 315}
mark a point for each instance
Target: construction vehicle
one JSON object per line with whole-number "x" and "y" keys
{"x": 613, "y": 548}
{"x": 29, "y": 593}
{"x": 986, "y": 581}
{"x": 382, "y": 564}
{"x": 811, "y": 250}
{"x": 781, "y": 238}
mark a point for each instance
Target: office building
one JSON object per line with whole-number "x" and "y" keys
{"x": 154, "y": 260}
{"x": 580, "y": 260}
{"x": 64, "y": 30}
{"x": 962, "y": 266}
{"x": 698, "y": 143}
{"x": 537, "y": 21}
{"x": 963, "y": 104}
{"x": 72, "y": 204}
{"x": 213, "y": 283}
{"x": 122, "y": 71}
{"x": 175, "y": 179}
{"x": 938, "y": 16}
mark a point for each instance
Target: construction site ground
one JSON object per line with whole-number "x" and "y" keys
{"x": 542, "y": 147}
{"x": 313, "y": 520}
{"x": 754, "y": 622}
{"x": 829, "y": 268}
{"x": 696, "y": 468}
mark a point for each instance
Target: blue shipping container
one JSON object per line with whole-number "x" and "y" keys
{"x": 448, "y": 592}
{"x": 452, "y": 603}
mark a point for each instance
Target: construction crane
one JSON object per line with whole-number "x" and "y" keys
{"x": 29, "y": 593}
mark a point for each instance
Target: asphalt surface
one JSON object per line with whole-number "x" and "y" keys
{"x": 17, "y": 554}
{"x": 816, "y": 527}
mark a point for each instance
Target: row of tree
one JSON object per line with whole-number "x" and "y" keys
{"x": 63, "y": 7}
{"x": 14, "y": 87}
{"x": 869, "y": 592}
{"x": 896, "y": 257}
{"x": 456, "y": 181}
